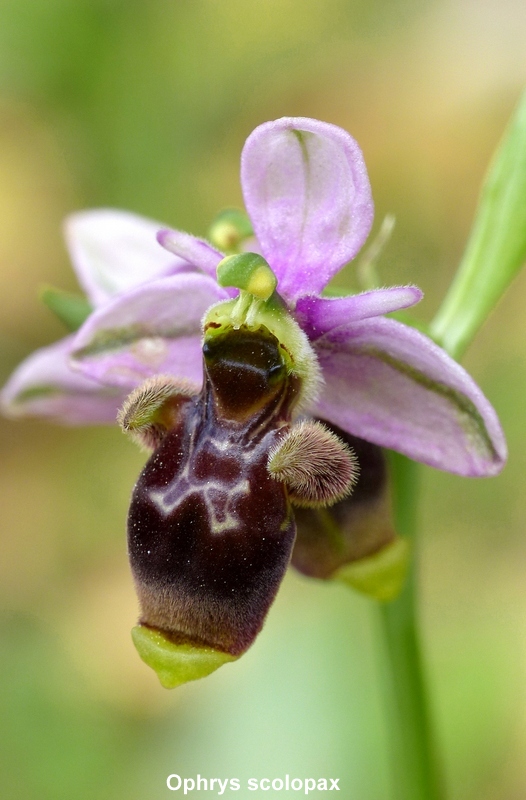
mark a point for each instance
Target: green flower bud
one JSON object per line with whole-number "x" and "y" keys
{"x": 229, "y": 229}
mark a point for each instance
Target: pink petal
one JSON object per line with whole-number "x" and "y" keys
{"x": 152, "y": 329}
{"x": 391, "y": 385}
{"x": 190, "y": 248}
{"x": 113, "y": 251}
{"x": 307, "y": 192}
{"x": 318, "y": 315}
{"x": 44, "y": 385}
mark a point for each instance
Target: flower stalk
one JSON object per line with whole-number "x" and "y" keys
{"x": 415, "y": 763}
{"x": 495, "y": 252}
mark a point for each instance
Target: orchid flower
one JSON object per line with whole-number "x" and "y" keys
{"x": 373, "y": 381}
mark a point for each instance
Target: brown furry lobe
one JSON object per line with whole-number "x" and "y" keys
{"x": 317, "y": 468}
{"x": 152, "y": 409}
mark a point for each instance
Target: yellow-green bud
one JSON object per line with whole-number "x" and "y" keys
{"x": 229, "y": 229}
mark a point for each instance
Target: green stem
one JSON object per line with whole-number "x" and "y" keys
{"x": 412, "y": 747}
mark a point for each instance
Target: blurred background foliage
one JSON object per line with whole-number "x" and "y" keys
{"x": 145, "y": 106}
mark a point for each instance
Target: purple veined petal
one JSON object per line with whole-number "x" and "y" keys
{"x": 196, "y": 251}
{"x": 150, "y": 355}
{"x": 152, "y": 329}
{"x": 44, "y": 385}
{"x": 319, "y": 315}
{"x": 307, "y": 192}
{"x": 391, "y": 385}
{"x": 113, "y": 251}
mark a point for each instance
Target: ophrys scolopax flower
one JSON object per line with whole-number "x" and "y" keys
{"x": 307, "y": 194}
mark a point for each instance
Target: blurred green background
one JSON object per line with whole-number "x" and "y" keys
{"x": 145, "y": 106}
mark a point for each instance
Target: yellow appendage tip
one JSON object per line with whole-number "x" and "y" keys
{"x": 176, "y": 664}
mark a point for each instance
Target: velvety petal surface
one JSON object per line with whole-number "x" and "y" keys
{"x": 153, "y": 329}
{"x": 210, "y": 534}
{"x": 391, "y": 385}
{"x": 112, "y": 251}
{"x": 44, "y": 385}
{"x": 318, "y": 315}
{"x": 307, "y": 192}
{"x": 196, "y": 251}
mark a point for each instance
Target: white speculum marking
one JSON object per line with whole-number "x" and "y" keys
{"x": 150, "y": 351}
{"x": 218, "y": 495}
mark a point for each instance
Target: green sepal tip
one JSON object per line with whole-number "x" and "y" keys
{"x": 176, "y": 664}
{"x": 381, "y": 575}
{"x": 71, "y": 309}
{"x": 248, "y": 272}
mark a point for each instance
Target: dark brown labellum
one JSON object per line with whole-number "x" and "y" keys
{"x": 210, "y": 531}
